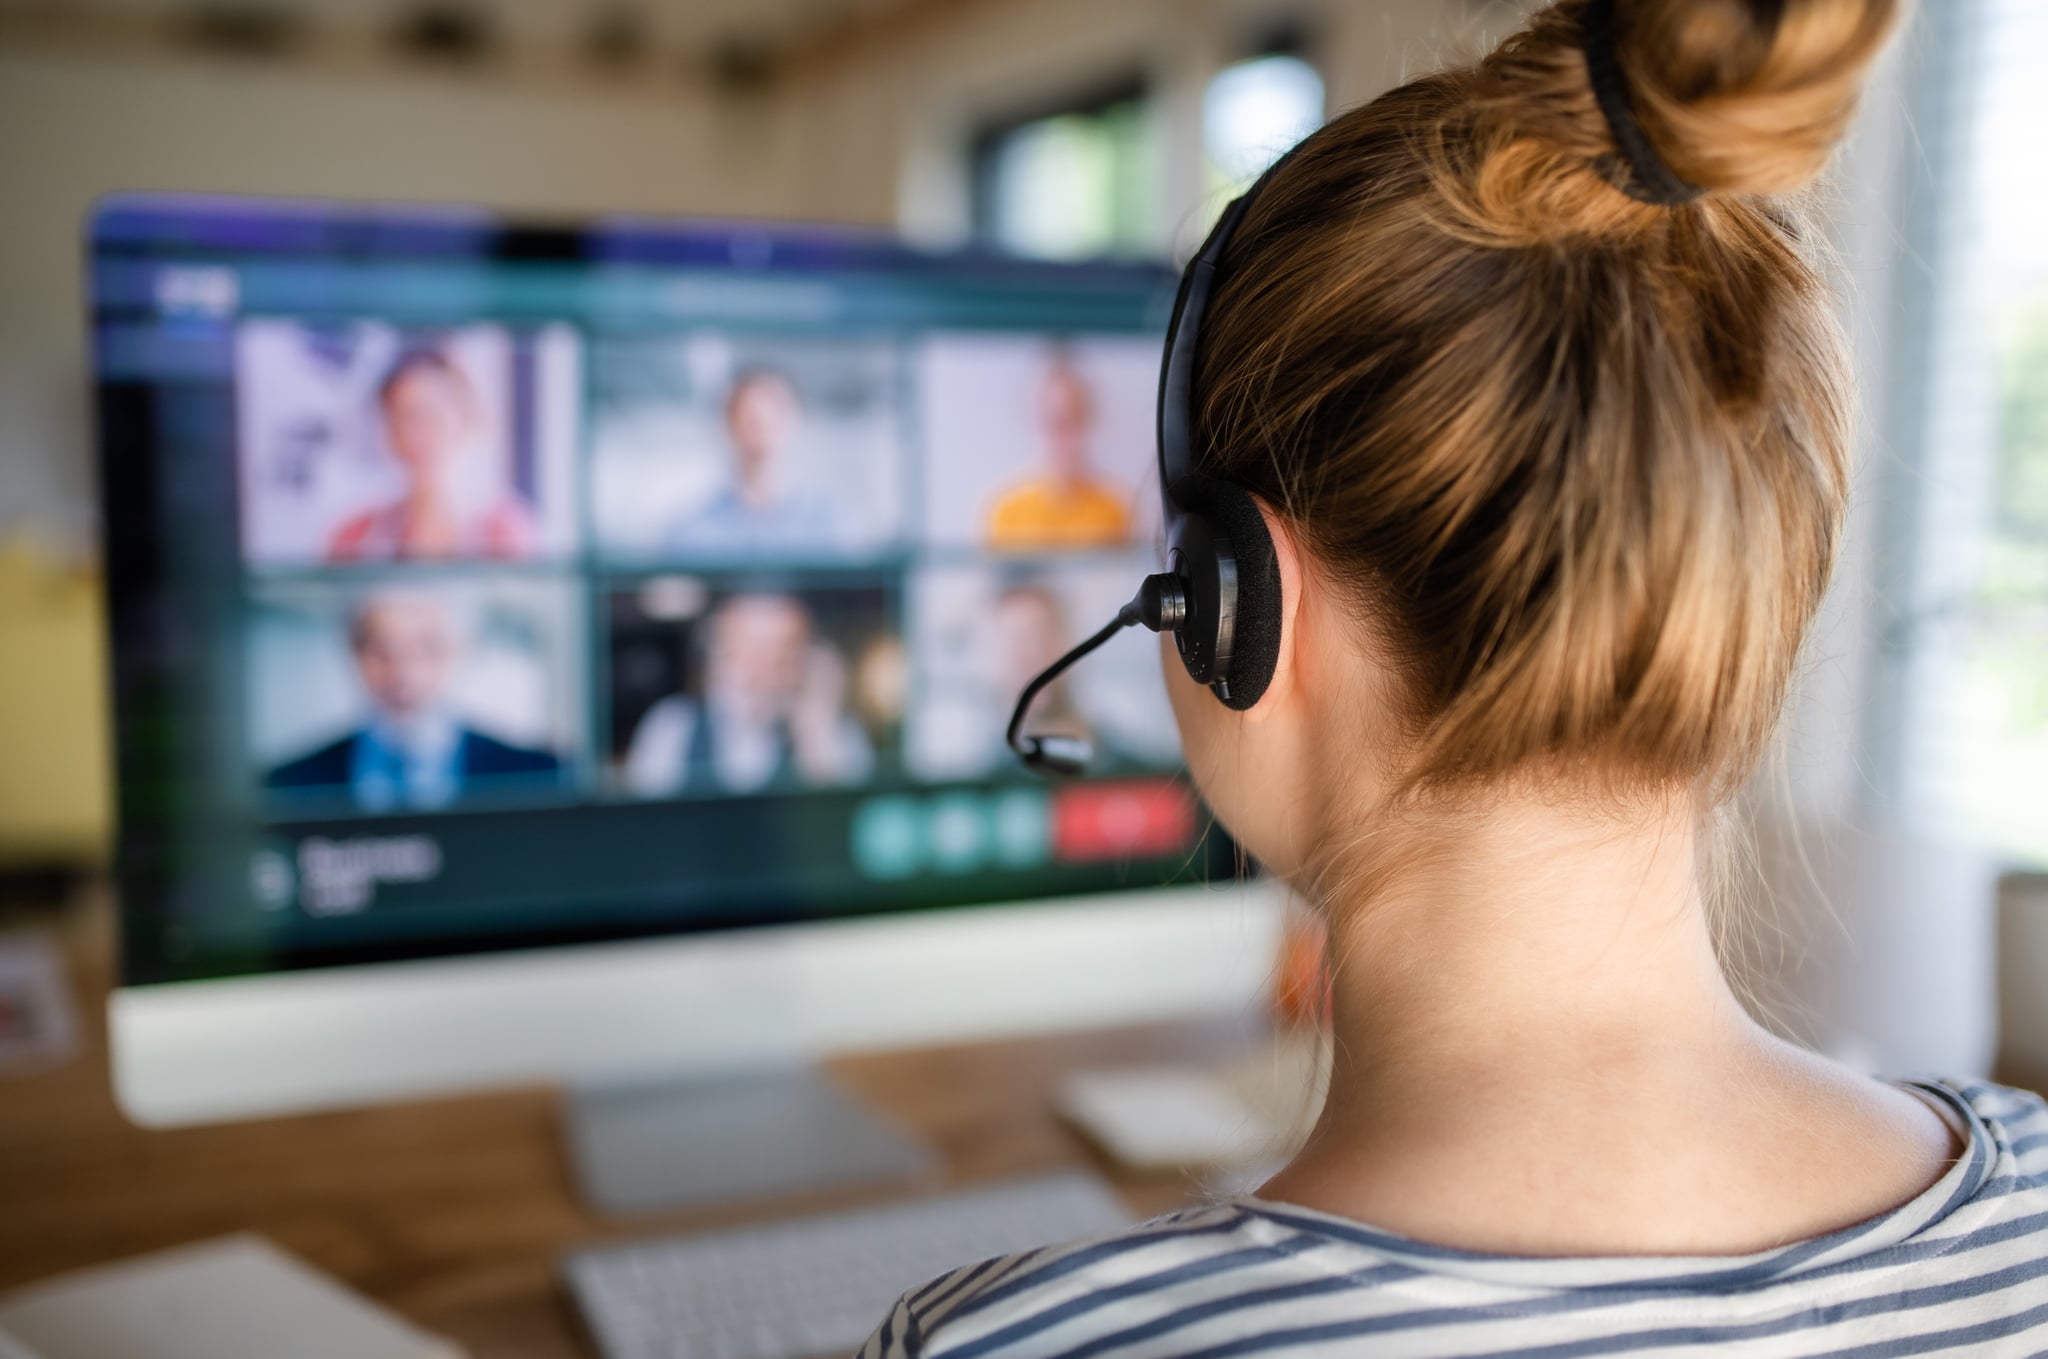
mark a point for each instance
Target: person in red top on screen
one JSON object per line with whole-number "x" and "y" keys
{"x": 433, "y": 425}
{"x": 1066, "y": 504}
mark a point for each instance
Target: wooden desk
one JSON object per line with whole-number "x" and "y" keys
{"x": 455, "y": 1212}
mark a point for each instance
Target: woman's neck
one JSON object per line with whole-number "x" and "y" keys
{"x": 1520, "y": 927}
{"x": 1535, "y": 1051}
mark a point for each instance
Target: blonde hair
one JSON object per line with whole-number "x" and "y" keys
{"x": 1581, "y": 459}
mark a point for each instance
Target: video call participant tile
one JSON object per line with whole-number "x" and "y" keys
{"x": 981, "y": 631}
{"x": 710, "y": 447}
{"x": 362, "y": 444}
{"x": 414, "y": 696}
{"x": 1034, "y": 446}
{"x": 761, "y": 686}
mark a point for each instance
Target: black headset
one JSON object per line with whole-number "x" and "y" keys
{"x": 1220, "y": 593}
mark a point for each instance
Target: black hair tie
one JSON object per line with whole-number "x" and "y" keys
{"x": 1643, "y": 175}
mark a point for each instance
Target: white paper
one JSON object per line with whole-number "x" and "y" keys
{"x": 237, "y": 1295}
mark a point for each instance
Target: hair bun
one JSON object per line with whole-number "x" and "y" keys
{"x": 1747, "y": 96}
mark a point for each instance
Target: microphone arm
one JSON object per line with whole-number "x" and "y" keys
{"x": 1160, "y": 605}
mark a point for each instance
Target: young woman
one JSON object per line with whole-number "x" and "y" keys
{"x": 1537, "y": 385}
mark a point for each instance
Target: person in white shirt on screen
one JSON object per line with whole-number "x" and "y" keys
{"x": 773, "y": 713}
{"x": 413, "y": 752}
{"x": 757, "y": 511}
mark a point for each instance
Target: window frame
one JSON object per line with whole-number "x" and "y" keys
{"x": 1133, "y": 86}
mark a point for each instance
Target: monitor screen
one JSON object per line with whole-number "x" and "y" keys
{"x": 480, "y": 586}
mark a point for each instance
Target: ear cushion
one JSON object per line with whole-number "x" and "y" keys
{"x": 1255, "y": 644}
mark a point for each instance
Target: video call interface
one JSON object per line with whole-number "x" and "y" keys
{"x": 478, "y": 587}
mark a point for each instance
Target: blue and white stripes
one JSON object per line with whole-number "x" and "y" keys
{"x": 1963, "y": 1268}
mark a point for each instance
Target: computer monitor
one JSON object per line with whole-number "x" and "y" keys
{"x": 548, "y": 652}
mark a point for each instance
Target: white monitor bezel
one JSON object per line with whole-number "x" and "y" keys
{"x": 196, "y": 1052}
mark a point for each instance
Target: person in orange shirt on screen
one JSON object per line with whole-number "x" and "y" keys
{"x": 1066, "y": 505}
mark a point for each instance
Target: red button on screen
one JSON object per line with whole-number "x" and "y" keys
{"x": 1122, "y": 821}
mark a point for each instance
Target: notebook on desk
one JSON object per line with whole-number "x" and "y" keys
{"x": 238, "y": 1295}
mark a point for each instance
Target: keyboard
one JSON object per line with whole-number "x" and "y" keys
{"x": 817, "y": 1286}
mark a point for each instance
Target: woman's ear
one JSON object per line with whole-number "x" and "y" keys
{"x": 1287, "y": 560}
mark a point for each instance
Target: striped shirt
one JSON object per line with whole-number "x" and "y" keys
{"x": 1962, "y": 1269}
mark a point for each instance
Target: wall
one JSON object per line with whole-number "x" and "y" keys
{"x": 915, "y": 108}
{"x": 74, "y": 127}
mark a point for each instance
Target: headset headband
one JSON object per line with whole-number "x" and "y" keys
{"x": 1183, "y": 338}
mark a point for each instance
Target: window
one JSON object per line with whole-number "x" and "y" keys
{"x": 1963, "y": 680}
{"x": 1073, "y": 183}
{"x": 1253, "y": 111}
{"x": 1088, "y": 177}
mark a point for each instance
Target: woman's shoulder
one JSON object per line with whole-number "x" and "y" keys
{"x": 2000, "y": 1101}
{"x": 1965, "y": 1253}
{"x": 2016, "y": 1119}
{"x": 1105, "y": 1292}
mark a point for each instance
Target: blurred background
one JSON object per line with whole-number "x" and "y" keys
{"x": 1912, "y": 776}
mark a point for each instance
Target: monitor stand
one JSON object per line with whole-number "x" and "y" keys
{"x": 704, "y": 1139}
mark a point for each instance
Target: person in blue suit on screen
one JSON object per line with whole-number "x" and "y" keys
{"x": 414, "y": 753}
